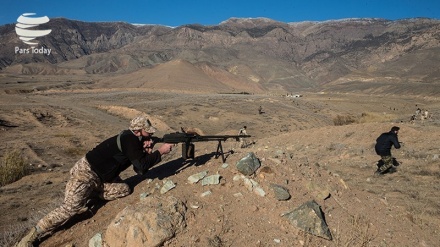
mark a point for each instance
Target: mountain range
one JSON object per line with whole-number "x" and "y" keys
{"x": 239, "y": 55}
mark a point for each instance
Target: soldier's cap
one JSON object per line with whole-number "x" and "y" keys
{"x": 142, "y": 123}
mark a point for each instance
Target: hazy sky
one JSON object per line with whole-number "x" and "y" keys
{"x": 210, "y": 12}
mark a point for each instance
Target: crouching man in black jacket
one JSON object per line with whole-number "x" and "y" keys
{"x": 98, "y": 172}
{"x": 383, "y": 148}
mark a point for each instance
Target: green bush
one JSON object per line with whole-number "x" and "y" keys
{"x": 12, "y": 167}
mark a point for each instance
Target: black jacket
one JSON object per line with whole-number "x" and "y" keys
{"x": 108, "y": 161}
{"x": 384, "y": 143}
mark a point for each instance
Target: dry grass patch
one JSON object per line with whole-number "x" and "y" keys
{"x": 369, "y": 117}
{"x": 359, "y": 234}
{"x": 75, "y": 151}
{"x": 11, "y": 234}
{"x": 130, "y": 113}
{"x": 122, "y": 111}
{"x": 374, "y": 117}
{"x": 12, "y": 168}
{"x": 340, "y": 120}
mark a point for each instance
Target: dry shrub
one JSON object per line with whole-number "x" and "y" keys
{"x": 11, "y": 234}
{"x": 130, "y": 113}
{"x": 359, "y": 234}
{"x": 12, "y": 168}
{"x": 75, "y": 151}
{"x": 374, "y": 117}
{"x": 125, "y": 112}
{"x": 368, "y": 117}
{"x": 340, "y": 120}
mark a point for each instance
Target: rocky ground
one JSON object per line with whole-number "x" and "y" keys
{"x": 296, "y": 140}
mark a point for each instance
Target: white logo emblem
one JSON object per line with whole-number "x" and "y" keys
{"x": 28, "y": 35}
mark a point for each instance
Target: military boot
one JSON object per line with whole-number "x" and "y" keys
{"x": 29, "y": 239}
{"x": 383, "y": 169}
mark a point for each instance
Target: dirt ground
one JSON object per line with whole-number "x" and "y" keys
{"x": 296, "y": 140}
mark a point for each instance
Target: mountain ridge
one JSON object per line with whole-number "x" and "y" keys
{"x": 282, "y": 55}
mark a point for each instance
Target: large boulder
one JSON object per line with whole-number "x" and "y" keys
{"x": 309, "y": 218}
{"x": 150, "y": 222}
{"x": 248, "y": 165}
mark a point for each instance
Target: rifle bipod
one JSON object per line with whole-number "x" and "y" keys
{"x": 189, "y": 148}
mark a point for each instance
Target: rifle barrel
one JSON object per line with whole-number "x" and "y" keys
{"x": 188, "y": 138}
{"x": 219, "y": 137}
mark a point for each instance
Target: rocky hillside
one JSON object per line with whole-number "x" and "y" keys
{"x": 273, "y": 54}
{"x": 296, "y": 141}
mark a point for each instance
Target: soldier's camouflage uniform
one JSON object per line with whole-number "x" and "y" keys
{"x": 387, "y": 163}
{"x": 243, "y": 142}
{"x": 82, "y": 183}
{"x": 98, "y": 173}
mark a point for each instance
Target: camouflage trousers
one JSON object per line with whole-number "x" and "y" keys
{"x": 387, "y": 163}
{"x": 82, "y": 184}
{"x": 243, "y": 143}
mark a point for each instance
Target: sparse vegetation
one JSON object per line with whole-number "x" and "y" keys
{"x": 307, "y": 239}
{"x": 359, "y": 234}
{"x": 73, "y": 151}
{"x": 11, "y": 234}
{"x": 340, "y": 120}
{"x": 63, "y": 135}
{"x": 12, "y": 168}
{"x": 247, "y": 93}
{"x": 8, "y": 237}
{"x": 369, "y": 117}
{"x": 374, "y": 117}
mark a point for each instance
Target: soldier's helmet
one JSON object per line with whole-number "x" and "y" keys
{"x": 142, "y": 123}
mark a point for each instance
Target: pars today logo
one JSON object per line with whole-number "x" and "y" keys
{"x": 27, "y": 31}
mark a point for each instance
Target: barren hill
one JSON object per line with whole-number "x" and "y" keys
{"x": 180, "y": 75}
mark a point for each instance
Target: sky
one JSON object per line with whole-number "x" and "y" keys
{"x": 212, "y": 12}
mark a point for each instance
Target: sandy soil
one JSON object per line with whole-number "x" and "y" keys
{"x": 296, "y": 140}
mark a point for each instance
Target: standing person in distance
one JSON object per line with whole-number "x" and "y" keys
{"x": 242, "y": 132}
